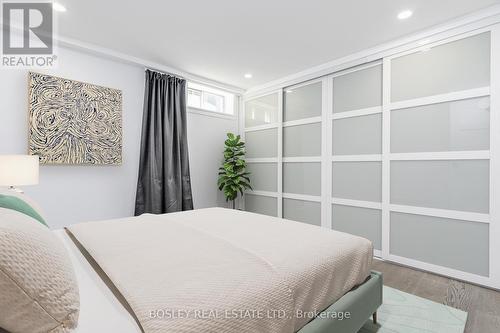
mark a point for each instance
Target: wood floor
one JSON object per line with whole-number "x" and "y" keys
{"x": 482, "y": 304}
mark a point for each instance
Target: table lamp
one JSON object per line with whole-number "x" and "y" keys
{"x": 18, "y": 170}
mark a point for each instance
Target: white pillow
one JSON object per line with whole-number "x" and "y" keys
{"x": 38, "y": 288}
{"x": 26, "y": 199}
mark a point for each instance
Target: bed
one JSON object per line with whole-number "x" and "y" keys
{"x": 132, "y": 271}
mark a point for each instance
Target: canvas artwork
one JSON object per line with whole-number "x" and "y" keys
{"x": 72, "y": 122}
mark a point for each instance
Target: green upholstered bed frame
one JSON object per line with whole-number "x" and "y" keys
{"x": 361, "y": 303}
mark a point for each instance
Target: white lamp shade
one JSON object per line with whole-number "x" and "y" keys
{"x": 16, "y": 170}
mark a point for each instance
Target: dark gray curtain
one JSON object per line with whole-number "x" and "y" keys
{"x": 164, "y": 184}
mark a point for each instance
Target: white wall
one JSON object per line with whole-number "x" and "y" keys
{"x": 71, "y": 194}
{"x": 206, "y": 137}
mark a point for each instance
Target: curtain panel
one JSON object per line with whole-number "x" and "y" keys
{"x": 164, "y": 183}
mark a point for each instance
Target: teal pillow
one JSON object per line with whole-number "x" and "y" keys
{"x": 14, "y": 203}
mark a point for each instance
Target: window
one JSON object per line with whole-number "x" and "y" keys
{"x": 194, "y": 98}
{"x": 204, "y": 100}
{"x": 209, "y": 99}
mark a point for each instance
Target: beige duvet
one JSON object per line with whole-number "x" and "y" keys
{"x": 220, "y": 270}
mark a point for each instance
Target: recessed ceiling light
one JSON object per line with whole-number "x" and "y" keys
{"x": 405, "y": 14}
{"x": 58, "y": 7}
{"x": 248, "y": 76}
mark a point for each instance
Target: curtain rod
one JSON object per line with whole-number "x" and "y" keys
{"x": 163, "y": 72}
{"x": 189, "y": 80}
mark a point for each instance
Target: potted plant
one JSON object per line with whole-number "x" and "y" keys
{"x": 233, "y": 178}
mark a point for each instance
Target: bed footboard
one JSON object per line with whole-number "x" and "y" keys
{"x": 360, "y": 303}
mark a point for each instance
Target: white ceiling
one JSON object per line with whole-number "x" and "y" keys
{"x": 224, "y": 39}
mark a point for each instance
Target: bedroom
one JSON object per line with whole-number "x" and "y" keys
{"x": 366, "y": 197}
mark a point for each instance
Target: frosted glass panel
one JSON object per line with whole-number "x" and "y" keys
{"x": 358, "y": 90}
{"x": 302, "y": 140}
{"x": 262, "y": 143}
{"x": 261, "y": 204}
{"x": 451, "y": 243}
{"x": 263, "y": 176}
{"x": 459, "y": 65}
{"x": 303, "y": 102}
{"x": 302, "y": 178}
{"x": 358, "y": 135}
{"x": 262, "y": 110}
{"x": 460, "y": 125}
{"x": 363, "y": 222}
{"x": 302, "y": 211}
{"x": 357, "y": 180}
{"x": 457, "y": 185}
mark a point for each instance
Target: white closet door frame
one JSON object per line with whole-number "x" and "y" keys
{"x": 308, "y": 159}
{"x": 280, "y": 154}
{"x": 327, "y": 148}
{"x": 349, "y": 158}
{"x": 276, "y": 160}
{"x": 493, "y": 280}
{"x": 495, "y": 157}
{"x": 386, "y": 162}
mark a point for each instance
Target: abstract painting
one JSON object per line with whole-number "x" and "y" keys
{"x": 72, "y": 122}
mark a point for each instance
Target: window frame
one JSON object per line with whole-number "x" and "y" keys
{"x": 228, "y": 108}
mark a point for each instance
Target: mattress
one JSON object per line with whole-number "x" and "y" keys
{"x": 100, "y": 309}
{"x": 220, "y": 270}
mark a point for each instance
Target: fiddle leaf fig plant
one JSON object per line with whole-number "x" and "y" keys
{"x": 233, "y": 177}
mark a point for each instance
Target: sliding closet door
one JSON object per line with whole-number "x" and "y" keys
{"x": 438, "y": 157}
{"x": 302, "y": 150}
{"x": 357, "y": 152}
{"x": 262, "y": 132}
{"x": 404, "y": 151}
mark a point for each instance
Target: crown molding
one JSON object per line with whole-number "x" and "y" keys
{"x": 108, "y": 53}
